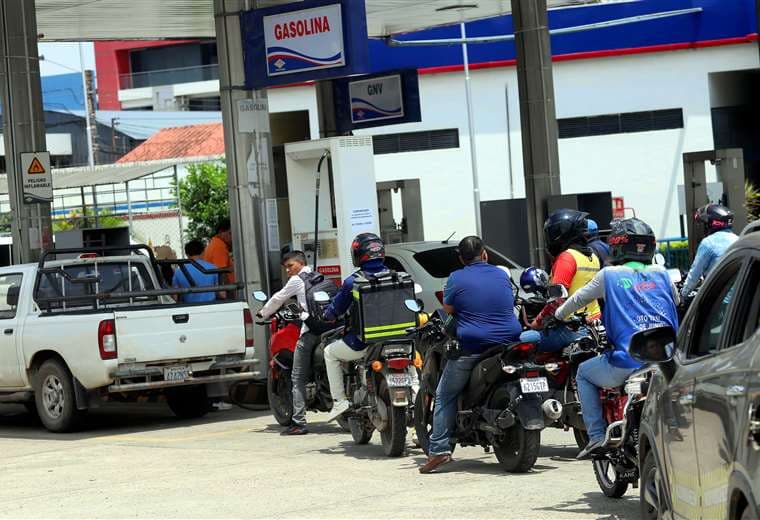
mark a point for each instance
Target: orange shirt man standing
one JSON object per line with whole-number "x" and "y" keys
{"x": 218, "y": 249}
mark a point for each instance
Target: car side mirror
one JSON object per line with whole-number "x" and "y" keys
{"x": 659, "y": 259}
{"x": 413, "y": 305}
{"x": 556, "y": 292}
{"x": 11, "y": 298}
{"x": 321, "y": 297}
{"x": 656, "y": 345}
{"x": 259, "y": 296}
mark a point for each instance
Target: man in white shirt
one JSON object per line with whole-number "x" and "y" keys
{"x": 294, "y": 263}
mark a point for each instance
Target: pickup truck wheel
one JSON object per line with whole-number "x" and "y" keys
{"x": 54, "y": 397}
{"x": 189, "y": 402}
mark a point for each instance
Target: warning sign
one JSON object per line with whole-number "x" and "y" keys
{"x": 37, "y": 177}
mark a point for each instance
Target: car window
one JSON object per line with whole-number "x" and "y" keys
{"x": 393, "y": 264}
{"x": 711, "y": 316}
{"x": 10, "y": 286}
{"x": 443, "y": 261}
{"x": 753, "y": 301}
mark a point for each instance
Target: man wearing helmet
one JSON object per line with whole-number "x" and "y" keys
{"x": 597, "y": 245}
{"x": 368, "y": 254}
{"x": 638, "y": 296}
{"x": 574, "y": 265}
{"x": 718, "y": 222}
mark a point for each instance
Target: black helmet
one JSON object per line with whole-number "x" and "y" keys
{"x": 366, "y": 247}
{"x": 631, "y": 240}
{"x": 563, "y": 228}
{"x": 714, "y": 217}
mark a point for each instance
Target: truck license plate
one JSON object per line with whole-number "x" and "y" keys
{"x": 396, "y": 380}
{"x": 176, "y": 373}
{"x": 534, "y": 385}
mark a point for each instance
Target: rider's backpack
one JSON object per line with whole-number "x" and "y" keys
{"x": 313, "y": 283}
{"x": 378, "y": 312}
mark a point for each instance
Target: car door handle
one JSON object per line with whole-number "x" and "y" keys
{"x": 736, "y": 391}
{"x": 8, "y": 332}
{"x": 686, "y": 399}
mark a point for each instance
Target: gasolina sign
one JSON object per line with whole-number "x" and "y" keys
{"x": 304, "y": 40}
{"x": 376, "y": 99}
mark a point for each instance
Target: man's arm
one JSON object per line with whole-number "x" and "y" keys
{"x": 701, "y": 261}
{"x": 448, "y": 297}
{"x": 583, "y": 296}
{"x": 291, "y": 289}
{"x": 342, "y": 301}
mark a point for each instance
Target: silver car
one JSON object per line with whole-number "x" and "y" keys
{"x": 431, "y": 263}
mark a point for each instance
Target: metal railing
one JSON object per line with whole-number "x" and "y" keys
{"x": 157, "y": 78}
{"x": 676, "y": 252}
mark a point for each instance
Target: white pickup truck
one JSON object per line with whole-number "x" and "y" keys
{"x": 78, "y": 331}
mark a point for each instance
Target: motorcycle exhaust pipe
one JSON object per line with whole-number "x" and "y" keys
{"x": 552, "y": 409}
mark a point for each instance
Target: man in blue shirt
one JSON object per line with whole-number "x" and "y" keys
{"x": 479, "y": 297}
{"x": 718, "y": 222}
{"x": 194, "y": 251}
{"x": 597, "y": 245}
{"x": 638, "y": 296}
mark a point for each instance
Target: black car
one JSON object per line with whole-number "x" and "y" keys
{"x": 699, "y": 442}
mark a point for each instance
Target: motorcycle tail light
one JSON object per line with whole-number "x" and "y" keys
{"x": 377, "y": 366}
{"x": 532, "y": 373}
{"x": 524, "y": 348}
{"x": 399, "y": 363}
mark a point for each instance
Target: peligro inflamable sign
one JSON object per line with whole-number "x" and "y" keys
{"x": 37, "y": 177}
{"x": 304, "y": 40}
{"x": 376, "y": 99}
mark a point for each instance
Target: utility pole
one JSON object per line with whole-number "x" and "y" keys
{"x": 471, "y": 128}
{"x": 23, "y": 124}
{"x": 114, "y": 153}
{"x": 537, "y": 115}
{"x": 92, "y": 123}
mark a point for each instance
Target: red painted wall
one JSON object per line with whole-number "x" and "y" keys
{"x": 111, "y": 60}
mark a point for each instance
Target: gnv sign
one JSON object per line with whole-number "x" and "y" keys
{"x": 376, "y": 99}
{"x": 309, "y": 39}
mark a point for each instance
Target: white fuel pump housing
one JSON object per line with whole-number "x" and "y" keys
{"x": 347, "y": 198}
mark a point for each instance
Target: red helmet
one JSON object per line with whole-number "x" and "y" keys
{"x": 366, "y": 247}
{"x": 714, "y": 217}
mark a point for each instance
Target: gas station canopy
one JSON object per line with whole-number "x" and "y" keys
{"x": 85, "y": 20}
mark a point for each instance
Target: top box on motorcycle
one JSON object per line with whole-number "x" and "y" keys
{"x": 379, "y": 312}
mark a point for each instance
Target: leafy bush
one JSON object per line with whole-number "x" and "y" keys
{"x": 78, "y": 220}
{"x": 752, "y": 202}
{"x": 204, "y": 198}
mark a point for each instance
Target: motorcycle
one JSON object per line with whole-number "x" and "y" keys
{"x": 285, "y": 329}
{"x": 502, "y": 406}
{"x": 617, "y": 468}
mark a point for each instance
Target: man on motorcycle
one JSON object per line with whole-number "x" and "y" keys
{"x": 597, "y": 245}
{"x": 367, "y": 253}
{"x": 479, "y": 297}
{"x": 294, "y": 263}
{"x": 637, "y": 296}
{"x": 718, "y": 222}
{"x": 575, "y": 264}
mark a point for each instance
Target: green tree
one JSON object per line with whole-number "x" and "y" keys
{"x": 204, "y": 198}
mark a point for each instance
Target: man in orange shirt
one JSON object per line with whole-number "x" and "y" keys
{"x": 218, "y": 249}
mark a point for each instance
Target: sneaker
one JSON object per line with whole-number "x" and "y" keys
{"x": 592, "y": 448}
{"x": 338, "y": 409}
{"x": 221, "y": 406}
{"x": 434, "y": 462}
{"x": 295, "y": 429}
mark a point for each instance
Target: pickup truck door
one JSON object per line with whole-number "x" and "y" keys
{"x": 10, "y": 337}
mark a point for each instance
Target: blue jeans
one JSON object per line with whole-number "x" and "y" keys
{"x": 592, "y": 375}
{"x": 554, "y": 339}
{"x": 456, "y": 375}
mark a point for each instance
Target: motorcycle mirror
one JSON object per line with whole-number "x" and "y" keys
{"x": 259, "y": 296}
{"x": 413, "y": 305}
{"x": 656, "y": 345}
{"x": 417, "y": 289}
{"x": 555, "y": 292}
{"x": 675, "y": 275}
{"x": 659, "y": 259}
{"x": 321, "y": 297}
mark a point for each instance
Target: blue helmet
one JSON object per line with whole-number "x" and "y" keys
{"x": 593, "y": 228}
{"x": 534, "y": 280}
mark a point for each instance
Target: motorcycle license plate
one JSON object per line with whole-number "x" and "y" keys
{"x": 395, "y": 380}
{"x": 177, "y": 373}
{"x": 534, "y": 385}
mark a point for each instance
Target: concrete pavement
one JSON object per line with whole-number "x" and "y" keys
{"x": 140, "y": 462}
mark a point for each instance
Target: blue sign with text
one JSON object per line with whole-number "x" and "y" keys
{"x": 304, "y": 41}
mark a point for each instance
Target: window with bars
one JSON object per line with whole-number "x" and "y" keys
{"x": 624, "y": 123}
{"x": 416, "y": 141}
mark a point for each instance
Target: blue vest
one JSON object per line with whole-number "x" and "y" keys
{"x": 635, "y": 299}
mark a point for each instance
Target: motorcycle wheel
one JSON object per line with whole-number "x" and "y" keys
{"x": 607, "y": 478}
{"x": 424, "y": 406}
{"x": 581, "y": 438}
{"x": 343, "y": 423}
{"x": 652, "y": 503}
{"x": 394, "y": 435}
{"x": 280, "y": 395}
{"x": 518, "y": 451}
{"x": 362, "y": 434}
